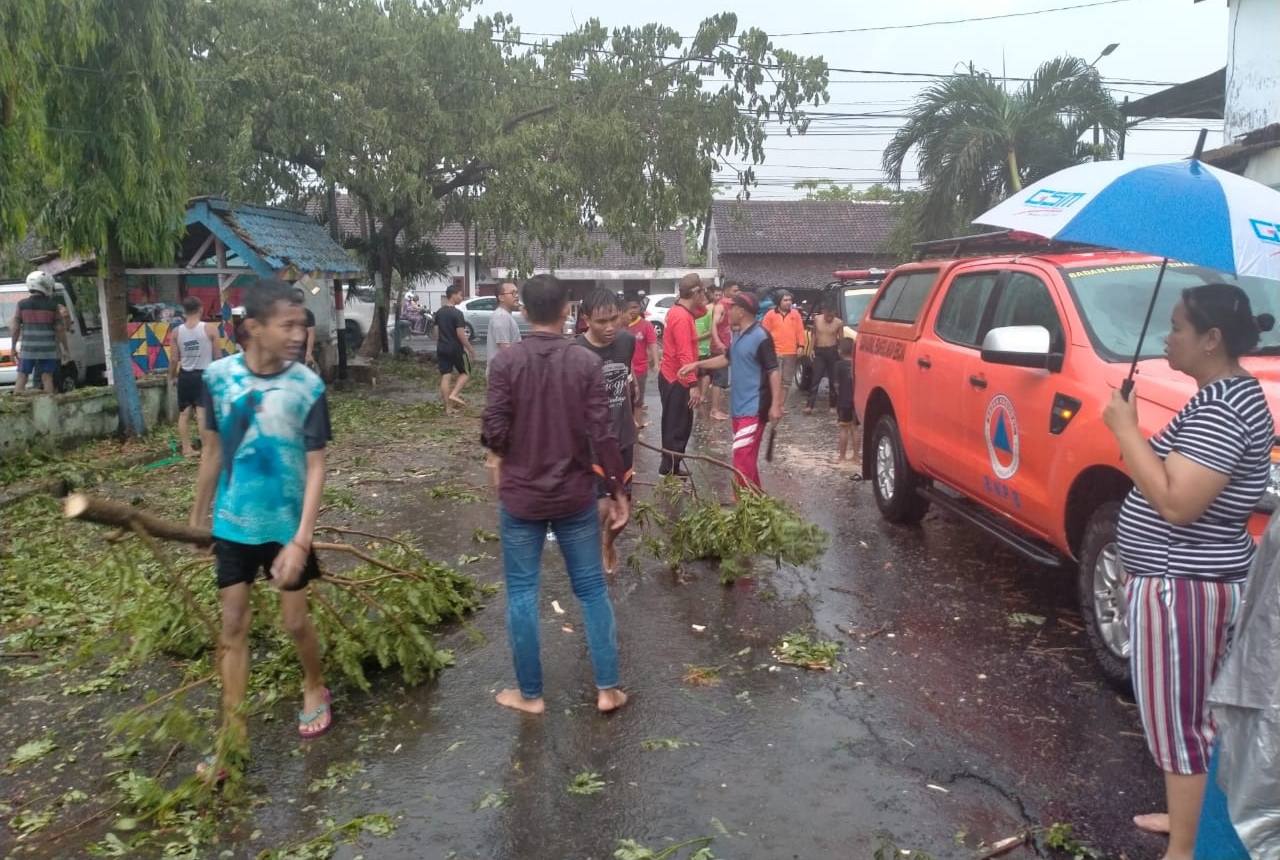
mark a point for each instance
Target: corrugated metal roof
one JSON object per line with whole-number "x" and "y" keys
{"x": 281, "y": 238}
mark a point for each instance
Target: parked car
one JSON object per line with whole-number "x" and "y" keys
{"x": 981, "y": 382}
{"x": 478, "y": 311}
{"x": 357, "y": 312}
{"x": 656, "y": 310}
{"x": 88, "y": 364}
{"x": 852, "y": 291}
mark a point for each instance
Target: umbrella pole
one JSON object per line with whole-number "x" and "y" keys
{"x": 1127, "y": 386}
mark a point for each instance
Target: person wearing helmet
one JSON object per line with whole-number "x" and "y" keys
{"x": 39, "y": 333}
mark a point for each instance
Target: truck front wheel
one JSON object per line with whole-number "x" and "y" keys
{"x": 894, "y": 482}
{"x": 1101, "y": 586}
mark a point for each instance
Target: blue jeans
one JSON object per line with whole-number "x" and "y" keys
{"x": 579, "y": 538}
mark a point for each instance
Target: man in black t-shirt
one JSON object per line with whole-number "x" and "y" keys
{"x": 607, "y": 337}
{"x": 454, "y": 352}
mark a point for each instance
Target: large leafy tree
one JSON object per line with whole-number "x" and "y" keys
{"x": 977, "y": 141}
{"x": 424, "y": 118}
{"x": 100, "y": 115}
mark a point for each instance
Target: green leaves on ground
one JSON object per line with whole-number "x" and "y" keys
{"x": 630, "y": 849}
{"x": 31, "y": 751}
{"x": 798, "y": 649}
{"x": 586, "y": 783}
{"x": 679, "y": 528}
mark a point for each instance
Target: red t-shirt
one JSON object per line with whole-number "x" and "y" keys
{"x": 723, "y": 330}
{"x": 645, "y": 338}
{"x": 679, "y": 345}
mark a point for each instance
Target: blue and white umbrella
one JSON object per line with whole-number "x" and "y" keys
{"x": 1181, "y": 210}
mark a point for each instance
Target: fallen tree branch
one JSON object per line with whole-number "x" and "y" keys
{"x": 1004, "y": 846}
{"x": 108, "y": 513}
{"x": 703, "y": 457}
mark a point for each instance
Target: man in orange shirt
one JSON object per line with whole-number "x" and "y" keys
{"x": 680, "y": 394}
{"x": 785, "y": 326}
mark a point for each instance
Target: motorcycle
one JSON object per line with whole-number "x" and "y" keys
{"x": 416, "y": 319}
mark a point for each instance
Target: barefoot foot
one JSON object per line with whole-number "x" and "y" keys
{"x": 1153, "y": 822}
{"x": 610, "y": 700}
{"x": 513, "y": 699}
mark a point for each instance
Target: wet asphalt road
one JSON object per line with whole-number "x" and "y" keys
{"x": 951, "y": 724}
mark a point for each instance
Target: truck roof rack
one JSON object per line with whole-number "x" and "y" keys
{"x": 992, "y": 243}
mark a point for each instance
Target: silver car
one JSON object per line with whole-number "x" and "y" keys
{"x": 477, "y": 312}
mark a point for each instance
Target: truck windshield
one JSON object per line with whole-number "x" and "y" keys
{"x": 9, "y": 307}
{"x": 1113, "y": 301}
{"x": 854, "y": 305}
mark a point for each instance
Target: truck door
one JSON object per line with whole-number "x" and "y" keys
{"x": 1017, "y": 448}
{"x": 948, "y": 359}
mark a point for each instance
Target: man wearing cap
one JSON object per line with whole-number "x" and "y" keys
{"x": 756, "y": 396}
{"x": 786, "y": 327}
{"x": 39, "y": 325}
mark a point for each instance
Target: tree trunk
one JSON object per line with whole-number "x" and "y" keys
{"x": 121, "y": 357}
{"x": 1015, "y": 180}
{"x": 375, "y": 342}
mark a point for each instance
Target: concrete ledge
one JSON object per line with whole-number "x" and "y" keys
{"x": 62, "y": 420}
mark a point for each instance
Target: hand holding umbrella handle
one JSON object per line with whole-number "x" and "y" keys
{"x": 1126, "y": 388}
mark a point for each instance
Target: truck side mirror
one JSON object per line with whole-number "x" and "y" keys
{"x": 1021, "y": 346}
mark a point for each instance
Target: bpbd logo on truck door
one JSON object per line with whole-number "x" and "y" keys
{"x": 1002, "y": 437}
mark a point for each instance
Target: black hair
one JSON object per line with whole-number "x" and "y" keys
{"x": 452, "y": 290}
{"x": 260, "y": 299}
{"x": 844, "y": 346}
{"x": 544, "y": 298}
{"x": 192, "y": 305}
{"x": 732, "y": 282}
{"x": 1226, "y": 307}
{"x": 599, "y": 299}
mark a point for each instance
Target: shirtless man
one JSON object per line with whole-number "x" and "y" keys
{"x": 827, "y": 328}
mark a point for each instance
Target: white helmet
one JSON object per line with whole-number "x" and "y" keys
{"x": 40, "y": 282}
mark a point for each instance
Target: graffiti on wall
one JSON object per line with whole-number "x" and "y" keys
{"x": 148, "y": 343}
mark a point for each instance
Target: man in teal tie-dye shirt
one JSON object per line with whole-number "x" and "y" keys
{"x": 268, "y": 424}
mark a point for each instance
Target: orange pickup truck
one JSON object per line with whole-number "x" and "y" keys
{"x": 981, "y": 380}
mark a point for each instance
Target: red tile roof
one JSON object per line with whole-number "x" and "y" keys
{"x": 801, "y": 226}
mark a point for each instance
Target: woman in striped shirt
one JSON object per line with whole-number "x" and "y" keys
{"x": 1183, "y": 539}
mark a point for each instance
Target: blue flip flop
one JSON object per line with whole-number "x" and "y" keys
{"x": 303, "y": 717}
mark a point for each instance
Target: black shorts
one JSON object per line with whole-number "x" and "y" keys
{"x": 846, "y": 416}
{"x": 628, "y": 458}
{"x": 453, "y": 363}
{"x": 720, "y": 378}
{"x": 242, "y": 562}
{"x": 190, "y": 388}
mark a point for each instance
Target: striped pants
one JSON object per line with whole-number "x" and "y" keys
{"x": 1179, "y": 630}
{"x": 747, "y": 433}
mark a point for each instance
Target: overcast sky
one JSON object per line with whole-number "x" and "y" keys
{"x": 1161, "y": 42}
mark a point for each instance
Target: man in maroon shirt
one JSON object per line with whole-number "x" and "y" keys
{"x": 680, "y": 394}
{"x": 547, "y": 456}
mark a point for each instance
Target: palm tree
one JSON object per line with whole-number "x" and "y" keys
{"x": 979, "y": 143}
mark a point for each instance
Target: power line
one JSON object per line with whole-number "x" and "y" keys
{"x": 908, "y": 26}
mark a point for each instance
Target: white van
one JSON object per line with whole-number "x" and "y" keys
{"x": 88, "y": 365}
